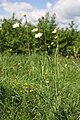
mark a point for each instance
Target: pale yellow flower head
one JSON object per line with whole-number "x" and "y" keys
{"x": 55, "y": 37}
{"x": 24, "y": 14}
{"x": 38, "y": 35}
{"x": 31, "y": 91}
{"x": 35, "y": 30}
{"x": 47, "y": 81}
{"x": 54, "y": 31}
{"x": 49, "y": 46}
{"x": 52, "y": 43}
{"x": 65, "y": 65}
{"x": 15, "y": 25}
{"x": 58, "y": 62}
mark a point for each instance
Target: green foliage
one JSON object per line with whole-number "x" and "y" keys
{"x": 15, "y": 40}
{"x": 21, "y": 40}
{"x": 46, "y": 26}
{"x": 69, "y": 41}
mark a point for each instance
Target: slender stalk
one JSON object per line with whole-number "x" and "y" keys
{"x": 45, "y": 41}
{"x": 56, "y": 58}
{"x": 26, "y": 23}
{"x": 57, "y": 69}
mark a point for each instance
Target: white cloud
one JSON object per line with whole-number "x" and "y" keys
{"x": 20, "y": 7}
{"x": 66, "y": 10}
{"x": 16, "y": 7}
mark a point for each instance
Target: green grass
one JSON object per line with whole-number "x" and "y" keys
{"x": 36, "y": 87}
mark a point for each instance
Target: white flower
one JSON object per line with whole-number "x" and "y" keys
{"x": 55, "y": 37}
{"x": 38, "y": 35}
{"x": 35, "y": 29}
{"x": 16, "y": 25}
{"x": 54, "y": 31}
{"x": 49, "y": 46}
{"x": 24, "y": 14}
{"x": 52, "y": 43}
{"x": 65, "y": 65}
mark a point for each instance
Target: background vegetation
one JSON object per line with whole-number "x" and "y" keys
{"x": 39, "y": 78}
{"x": 21, "y": 40}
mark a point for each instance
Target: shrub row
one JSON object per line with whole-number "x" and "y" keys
{"x": 45, "y": 37}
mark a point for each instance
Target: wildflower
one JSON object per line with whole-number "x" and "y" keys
{"x": 55, "y": 37}
{"x": 10, "y": 49}
{"x": 47, "y": 81}
{"x": 67, "y": 56}
{"x": 16, "y": 25}
{"x": 24, "y": 14}
{"x": 31, "y": 90}
{"x": 52, "y": 43}
{"x": 35, "y": 29}
{"x": 38, "y": 35}
{"x": 25, "y": 85}
{"x": 49, "y": 46}
{"x": 65, "y": 65}
{"x": 58, "y": 62}
{"x": 54, "y": 31}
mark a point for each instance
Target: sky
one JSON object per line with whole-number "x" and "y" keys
{"x": 65, "y": 10}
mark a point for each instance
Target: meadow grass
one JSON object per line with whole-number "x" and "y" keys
{"x": 37, "y": 87}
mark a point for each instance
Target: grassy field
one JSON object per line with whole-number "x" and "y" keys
{"x": 36, "y": 87}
